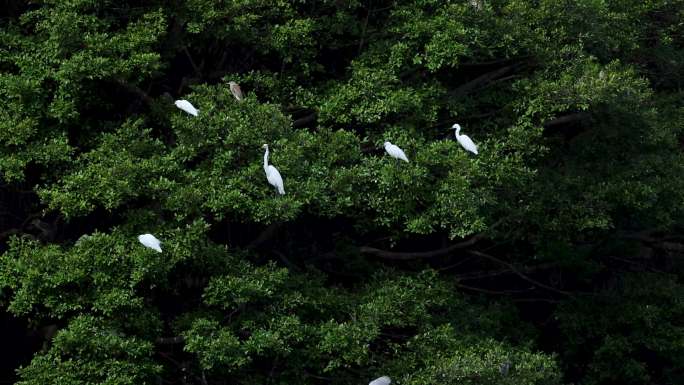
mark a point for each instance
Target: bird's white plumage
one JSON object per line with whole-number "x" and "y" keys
{"x": 272, "y": 174}
{"x": 236, "y": 91}
{"x": 384, "y": 380}
{"x": 187, "y": 107}
{"x": 395, "y": 152}
{"x": 149, "y": 240}
{"x": 464, "y": 140}
{"x": 81, "y": 239}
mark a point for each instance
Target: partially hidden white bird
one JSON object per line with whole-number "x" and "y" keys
{"x": 464, "y": 140}
{"x": 236, "y": 91}
{"x": 149, "y": 240}
{"x": 395, "y": 152}
{"x": 384, "y": 380}
{"x": 272, "y": 174}
{"x": 186, "y": 106}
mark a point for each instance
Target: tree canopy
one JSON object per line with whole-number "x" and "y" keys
{"x": 553, "y": 256}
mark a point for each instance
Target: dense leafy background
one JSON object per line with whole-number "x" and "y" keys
{"x": 555, "y": 256}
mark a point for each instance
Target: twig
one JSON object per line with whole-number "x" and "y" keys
{"x": 285, "y": 260}
{"x": 409, "y": 255}
{"x": 365, "y": 28}
{"x": 549, "y": 300}
{"x": 317, "y": 376}
{"x": 489, "y": 274}
{"x": 305, "y": 120}
{"x": 170, "y": 340}
{"x": 494, "y": 292}
{"x": 192, "y": 62}
{"x": 519, "y": 273}
{"x": 484, "y": 79}
{"x": 577, "y": 116}
{"x": 268, "y": 233}
{"x": 459, "y": 263}
{"x": 136, "y": 90}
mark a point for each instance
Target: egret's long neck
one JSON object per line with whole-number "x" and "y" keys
{"x": 266, "y": 159}
{"x": 458, "y": 130}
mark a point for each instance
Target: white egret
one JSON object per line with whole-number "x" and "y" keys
{"x": 272, "y": 174}
{"x": 395, "y": 152}
{"x": 464, "y": 140}
{"x": 236, "y": 91}
{"x": 477, "y": 4}
{"x": 149, "y": 240}
{"x": 384, "y": 380}
{"x": 81, "y": 239}
{"x": 504, "y": 368}
{"x": 186, "y": 106}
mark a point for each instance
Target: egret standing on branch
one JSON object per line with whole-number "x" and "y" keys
{"x": 149, "y": 240}
{"x": 236, "y": 91}
{"x": 272, "y": 174}
{"x": 464, "y": 140}
{"x": 384, "y": 380}
{"x": 187, "y": 107}
{"x": 395, "y": 152}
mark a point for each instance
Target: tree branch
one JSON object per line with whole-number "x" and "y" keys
{"x": 519, "y": 273}
{"x": 484, "y": 79}
{"x": 574, "y": 117}
{"x": 489, "y": 274}
{"x": 305, "y": 120}
{"x": 192, "y": 62}
{"x": 268, "y": 233}
{"x": 363, "y": 31}
{"x": 170, "y": 340}
{"x": 493, "y": 292}
{"x": 136, "y": 90}
{"x": 410, "y": 255}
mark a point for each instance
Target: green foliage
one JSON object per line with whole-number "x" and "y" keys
{"x": 92, "y": 350}
{"x": 631, "y": 334}
{"x": 576, "y": 108}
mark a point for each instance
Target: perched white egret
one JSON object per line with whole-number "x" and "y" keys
{"x": 395, "y": 152}
{"x": 187, "y": 107}
{"x": 272, "y": 174}
{"x": 236, "y": 91}
{"x": 504, "y": 368}
{"x": 149, "y": 240}
{"x": 464, "y": 140}
{"x": 384, "y": 380}
{"x": 477, "y": 4}
{"x": 81, "y": 239}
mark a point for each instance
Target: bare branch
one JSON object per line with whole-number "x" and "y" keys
{"x": 268, "y": 233}
{"x": 574, "y": 117}
{"x": 170, "y": 340}
{"x": 409, "y": 255}
{"x": 192, "y": 62}
{"x": 305, "y": 120}
{"x": 484, "y": 79}
{"x": 519, "y": 273}
{"x": 493, "y": 292}
{"x": 136, "y": 90}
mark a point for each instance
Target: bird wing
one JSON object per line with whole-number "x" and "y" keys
{"x": 187, "y": 107}
{"x": 397, "y": 152}
{"x": 236, "y": 91}
{"x": 384, "y": 380}
{"x": 468, "y": 144}
{"x": 275, "y": 179}
{"x": 149, "y": 240}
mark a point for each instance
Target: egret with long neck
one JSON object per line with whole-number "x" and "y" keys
{"x": 272, "y": 174}
{"x": 464, "y": 140}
